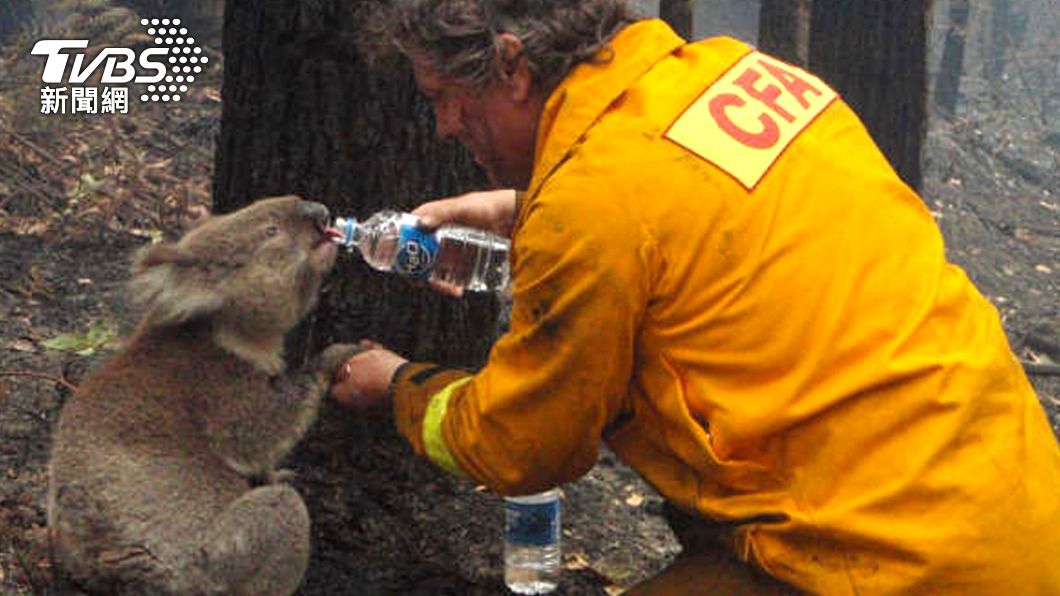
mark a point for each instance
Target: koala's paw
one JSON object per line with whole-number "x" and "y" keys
{"x": 329, "y": 361}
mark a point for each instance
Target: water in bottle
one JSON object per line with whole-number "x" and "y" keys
{"x": 457, "y": 256}
{"x": 532, "y": 542}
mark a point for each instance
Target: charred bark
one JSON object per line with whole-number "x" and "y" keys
{"x": 951, "y": 67}
{"x": 678, "y": 14}
{"x": 1007, "y": 26}
{"x": 784, "y": 29}
{"x": 303, "y": 114}
{"x": 874, "y": 52}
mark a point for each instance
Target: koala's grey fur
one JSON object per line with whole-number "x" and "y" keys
{"x": 150, "y": 486}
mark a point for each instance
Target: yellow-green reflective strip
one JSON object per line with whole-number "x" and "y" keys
{"x": 433, "y": 441}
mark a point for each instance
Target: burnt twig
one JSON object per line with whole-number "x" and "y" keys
{"x": 1045, "y": 369}
{"x": 60, "y": 380}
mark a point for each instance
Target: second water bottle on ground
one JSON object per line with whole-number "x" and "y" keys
{"x": 532, "y": 542}
{"x": 456, "y": 256}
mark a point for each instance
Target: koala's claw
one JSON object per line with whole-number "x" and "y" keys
{"x": 329, "y": 361}
{"x": 270, "y": 477}
{"x": 282, "y": 475}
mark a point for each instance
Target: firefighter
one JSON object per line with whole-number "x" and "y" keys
{"x": 718, "y": 274}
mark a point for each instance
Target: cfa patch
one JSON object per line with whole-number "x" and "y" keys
{"x": 744, "y": 120}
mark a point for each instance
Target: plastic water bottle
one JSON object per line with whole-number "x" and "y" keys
{"x": 457, "y": 256}
{"x": 532, "y": 543}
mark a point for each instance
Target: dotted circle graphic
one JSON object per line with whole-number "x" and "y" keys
{"x": 183, "y": 58}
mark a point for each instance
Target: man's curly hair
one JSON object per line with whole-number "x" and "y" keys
{"x": 459, "y": 37}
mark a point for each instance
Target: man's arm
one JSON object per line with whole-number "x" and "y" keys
{"x": 532, "y": 418}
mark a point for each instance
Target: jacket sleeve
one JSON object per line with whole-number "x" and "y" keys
{"x": 532, "y": 418}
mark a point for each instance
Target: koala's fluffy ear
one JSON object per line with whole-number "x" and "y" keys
{"x": 159, "y": 254}
{"x": 166, "y": 287}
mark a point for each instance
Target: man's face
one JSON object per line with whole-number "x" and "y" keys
{"x": 497, "y": 126}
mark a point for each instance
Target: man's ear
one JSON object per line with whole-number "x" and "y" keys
{"x": 513, "y": 67}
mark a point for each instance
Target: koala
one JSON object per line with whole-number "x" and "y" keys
{"x": 162, "y": 474}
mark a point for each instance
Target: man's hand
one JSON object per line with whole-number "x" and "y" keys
{"x": 363, "y": 381}
{"x": 490, "y": 210}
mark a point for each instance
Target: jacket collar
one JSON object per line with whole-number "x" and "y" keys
{"x": 583, "y": 96}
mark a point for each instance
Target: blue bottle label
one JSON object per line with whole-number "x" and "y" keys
{"x": 416, "y": 251}
{"x": 535, "y": 524}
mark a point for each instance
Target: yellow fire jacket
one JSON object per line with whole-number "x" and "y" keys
{"x": 717, "y": 272}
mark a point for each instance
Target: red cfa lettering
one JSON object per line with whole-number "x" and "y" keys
{"x": 748, "y": 117}
{"x": 766, "y": 98}
{"x": 796, "y": 85}
{"x": 763, "y": 139}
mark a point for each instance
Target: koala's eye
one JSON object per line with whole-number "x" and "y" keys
{"x": 272, "y": 230}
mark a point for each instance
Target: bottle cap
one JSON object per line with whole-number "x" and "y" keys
{"x": 346, "y": 232}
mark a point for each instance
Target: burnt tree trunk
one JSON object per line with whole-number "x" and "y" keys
{"x": 874, "y": 52}
{"x": 951, "y": 66}
{"x": 784, "y": 29}
{"x": 735, "y": 18}
{"x": 1006, "y": 24}
{"x": 302, "y": 114}
{"x": 14, "y": 15}
{"x": 678, "y": 14}
{"x": 1006, "y": 28}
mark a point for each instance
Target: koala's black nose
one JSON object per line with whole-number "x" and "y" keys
{"x": 315, "y": 212}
